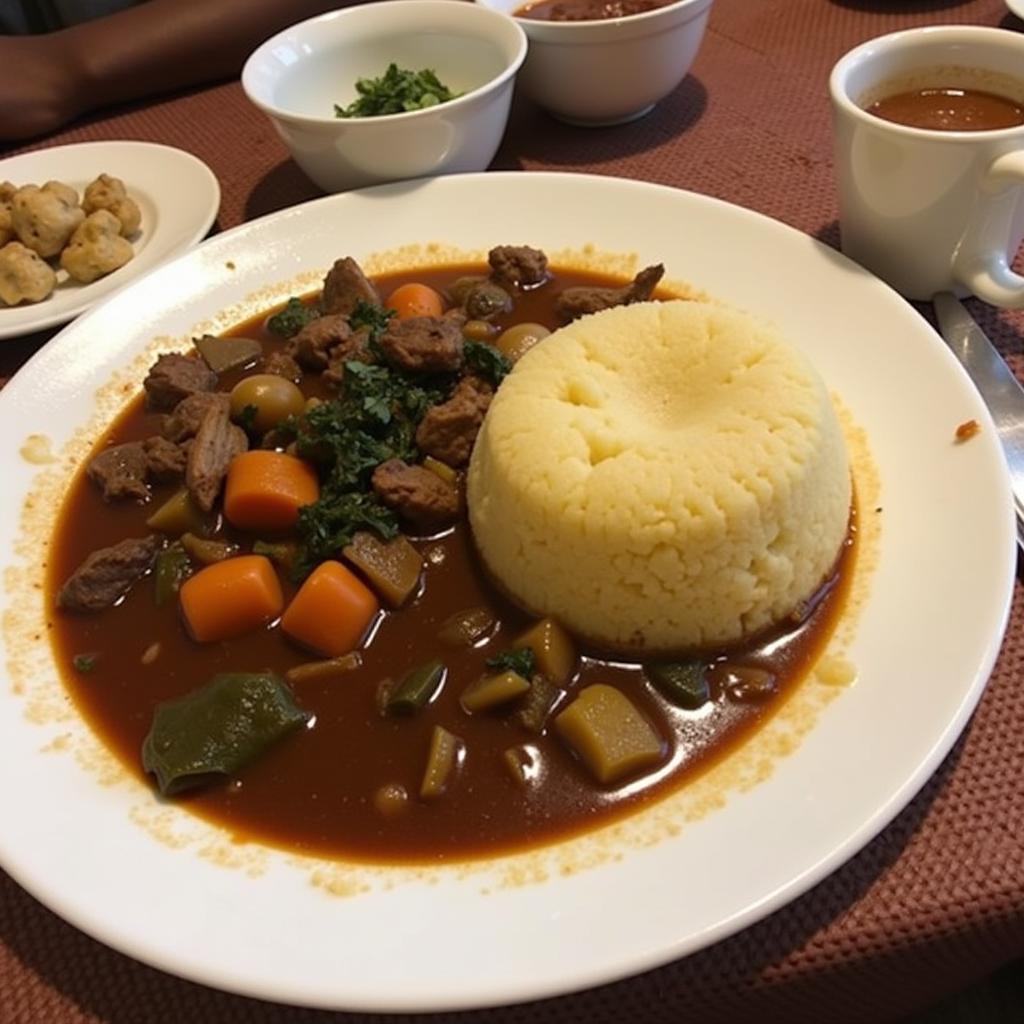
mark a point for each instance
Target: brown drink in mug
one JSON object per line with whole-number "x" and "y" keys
{"x": 929, "y": 136}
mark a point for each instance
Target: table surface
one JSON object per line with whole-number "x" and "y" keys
{"x": 937, "y": 900}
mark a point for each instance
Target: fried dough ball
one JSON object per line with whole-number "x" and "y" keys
{"x": 24, "y": 277}
{"x": 44, "y": 218}
{"x": 108, "y": 193}
{"x": 7, "y": 191}
{"x": 96, "y": 248}
{"x": 66, "y": 192}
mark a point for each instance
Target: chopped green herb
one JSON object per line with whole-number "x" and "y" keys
{"x": 84, "y": 662}
{"x": 329, "y": 524}
{"x": 486, "y": 361}
{"x": 290, "y": 320}
{"x": 397, "y": 91}
{"x": 521, "y": 660}
{"x": 416, "y": 690}
{"x": 376, "y": 318}
{"x": 373, "y": 419}
{"x": 247, "y": 417}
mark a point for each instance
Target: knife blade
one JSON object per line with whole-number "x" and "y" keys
{"x": 996, "y": 383}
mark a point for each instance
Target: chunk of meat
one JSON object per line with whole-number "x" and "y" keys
{"x": 520, "y": 265}
{"x": 174, "y": 377}
{"x": 314, "y": 346}
{"x": 188, "y": 415}
{"x": 165, "y": 460}
{"x": 448, "y": 430}
{"x": 420, "y": 497}
{"x": 423, "y": 344}
{"x": 120, "y": 471}
{"x": 577, "y": 302}
{"x": 355, "y": 350}
{"x": 345, "y": 286}
{"x": 217, "y": 442}
{"x": 283, "y": 365}
{"x": 108, "y": 574}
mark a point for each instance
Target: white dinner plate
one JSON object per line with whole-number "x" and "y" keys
{"x": 94, "y": 845}
{"x": 177, "y": 193}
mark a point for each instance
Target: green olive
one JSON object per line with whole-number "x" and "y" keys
{"x": 274, "y": 398}
{"x": 518, "y": 340}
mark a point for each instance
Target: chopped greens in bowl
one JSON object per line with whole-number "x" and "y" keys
{"x": 397, "y": 91}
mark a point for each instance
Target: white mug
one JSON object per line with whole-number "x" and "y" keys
{"x": 929, "y": 210}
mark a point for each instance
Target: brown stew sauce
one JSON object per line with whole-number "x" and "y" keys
{"x": 314, "y": 792}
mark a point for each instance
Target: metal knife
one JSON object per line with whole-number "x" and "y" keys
{"x": 996, "y": 383}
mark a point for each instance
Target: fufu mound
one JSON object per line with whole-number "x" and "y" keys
{"x": 661, "y": 476}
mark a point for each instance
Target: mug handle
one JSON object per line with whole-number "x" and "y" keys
{"x": 982, "y": 263}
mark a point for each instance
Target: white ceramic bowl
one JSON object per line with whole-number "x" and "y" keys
{"x": 297, "y": 76}
{"x": 609, "y": 71}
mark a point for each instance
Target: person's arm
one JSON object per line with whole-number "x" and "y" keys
{"x": 156, "y": 47}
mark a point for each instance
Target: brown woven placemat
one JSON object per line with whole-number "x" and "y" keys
{"x": 934, "y": 902}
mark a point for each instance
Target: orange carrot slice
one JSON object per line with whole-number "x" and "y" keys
{"x": 230, "y": 598}
{"x": 331, "y": 612}
{"x": 265, "y": 490}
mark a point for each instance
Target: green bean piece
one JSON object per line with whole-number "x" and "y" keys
{"x": 218, "y": 729}
{"x": 538, "y": 704}
{"x": 493, "y": 691}
{"x": 170, "y": 569}
{"x": 682, "y": 683}
{"x": 442, "y": 760}
{"x": 416, "y": 690}
{"x": 331, "y": 668}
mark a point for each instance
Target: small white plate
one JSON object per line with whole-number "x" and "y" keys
{"x": 160, "y": 885}
{"x": 1017, "y": 6}
{"x": 178, "y": 194}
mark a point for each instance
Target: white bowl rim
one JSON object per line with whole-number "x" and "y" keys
{"x": 576, "y": 26}
{"x": 366, "y": 11}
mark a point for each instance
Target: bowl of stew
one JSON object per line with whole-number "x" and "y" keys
{"x": 389, "y": 91}
{"x": 605, "y": 62}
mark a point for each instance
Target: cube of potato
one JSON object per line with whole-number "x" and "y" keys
{"x": 553, "y": 649}
{"x": 611, "y": 737}
{"x": 393, "y": 567}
